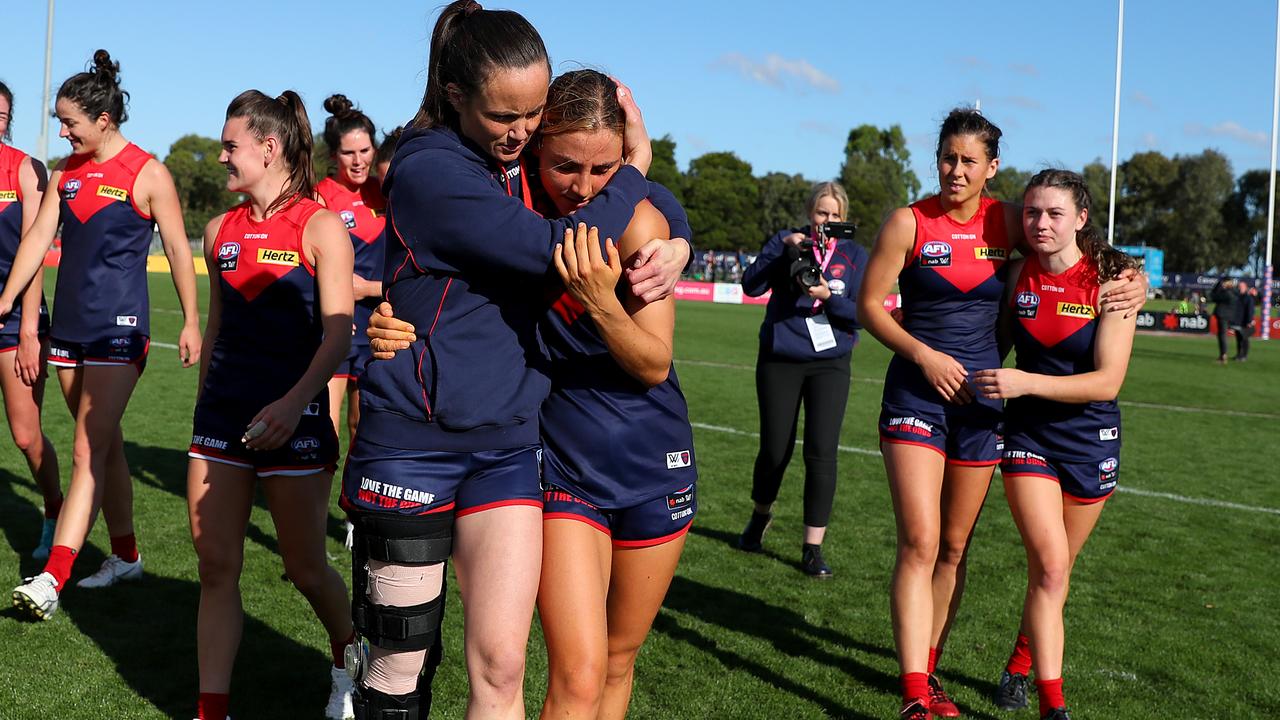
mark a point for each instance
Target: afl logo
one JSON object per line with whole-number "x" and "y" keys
{"x": 228, "y": 256}
{"x": 348, "y": 218}
{"x": 304, "y": 445}
{"x": 70, "y": 188}
{"x": 1109, "y": 465}
{"x": 1027, "y": 302}
{"x": 935, "y": 253}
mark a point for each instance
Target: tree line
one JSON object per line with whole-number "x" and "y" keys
{"x": 1192, "y": 206}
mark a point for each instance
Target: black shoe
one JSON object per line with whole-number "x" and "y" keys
{"x": 751, "y": 539}
{"x": 812, "y": 563}
{"x": 915, "y": 710}
{"x": 1012, "y": 692}
{"x": 1057, "y": 714}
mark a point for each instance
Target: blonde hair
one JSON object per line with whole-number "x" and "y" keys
{"x": 831, "y": 190}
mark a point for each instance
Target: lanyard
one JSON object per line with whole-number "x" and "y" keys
{"x": 822, "y": 262}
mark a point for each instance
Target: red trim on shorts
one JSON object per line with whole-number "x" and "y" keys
{"x": 974, "y": 463}
{"x": 895, "y": 441}
{"x": 651, "y": 542}
{"x": 1087, "y": 501}
{"x": 344, "y": 376}
{"x": 498, "y": 504}
{"x": 9, "y": 349}
{"x": 579, "y": 518}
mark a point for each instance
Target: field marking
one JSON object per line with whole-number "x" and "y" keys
{"x": 1206, "y": 502}
{"x": 1124, "y": 403}
{"x": 157, "y": 343}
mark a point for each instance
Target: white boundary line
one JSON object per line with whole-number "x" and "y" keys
{"x": 1206, "y": 502}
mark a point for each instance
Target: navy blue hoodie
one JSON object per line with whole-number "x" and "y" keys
{"x": 784, "y": 333}
{"x": 465, "y": 264}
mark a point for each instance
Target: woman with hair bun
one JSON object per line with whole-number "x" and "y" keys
{"x": 280, "y": 300}
{"x": 1061, "y": 424}
{"x": 110, "y": 194}
{"x": 356, "y": 196}
{"x": 24, "y": 338}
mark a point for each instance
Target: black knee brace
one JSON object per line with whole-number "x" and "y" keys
{"x": 425, "y": 539}
{"x": 370, "y": 704}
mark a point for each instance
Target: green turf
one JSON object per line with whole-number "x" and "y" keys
{"x": 1172, "y": 612}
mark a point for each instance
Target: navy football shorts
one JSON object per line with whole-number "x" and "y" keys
{"x": 650, "y": 523}
{"x": 124, "y": 350}
{"x": 220, "y": 423}
{"x": 1087, "y": 482}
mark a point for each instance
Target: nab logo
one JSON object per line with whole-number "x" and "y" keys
{"x": 70, "y": 188}
{"x": 114, "y": 193}
{"x": 348, "y": 219}
{"x": 1075, "y": 310}
{"x": 267, "y": 256}
{"x": 935, "y": 253}
{"x": 680, "y": 459}
{"x": 1028, "y": 303}
{"x": 305, "y": 445}
{"x": 8, "y": 196}
{"x": 228, "y": 256}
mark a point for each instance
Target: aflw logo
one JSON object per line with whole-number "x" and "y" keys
{"x": 680, "y": 459}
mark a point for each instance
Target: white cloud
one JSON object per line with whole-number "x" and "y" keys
{"x": 1150, "y": 141}
{"x": 971, "y": 61}
{"x": 1144, "y": 100}
{"x": 779, "y": 72}
{"x": 1232, "y": 130}
{"x": 1025, "y": 69}
{"x": 1022, "y": 101}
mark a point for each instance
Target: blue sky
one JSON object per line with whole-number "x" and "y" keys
{"x": 778, "y": 83}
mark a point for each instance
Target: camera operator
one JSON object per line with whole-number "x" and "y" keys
{"x": 809, "y": 330}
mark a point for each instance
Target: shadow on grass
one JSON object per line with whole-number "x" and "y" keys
{"x": 731, "y": 538}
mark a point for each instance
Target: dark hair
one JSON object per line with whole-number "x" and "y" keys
{"x": 7, "y": 94}
{"x": 286, "y": 118}
{"x": 388, "y": 147}
{"x": 97, "y": 90}
{"x": 468, "y": 44}
{"x": 343, "y": 118}
{"x": 968, "y": 121}
{"x": 582, "y": 100}
{"x": 1109, "y": 261}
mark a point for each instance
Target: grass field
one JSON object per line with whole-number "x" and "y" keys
{"x": 1172, "y": 614}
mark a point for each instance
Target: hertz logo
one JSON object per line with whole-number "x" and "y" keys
{"x": 267, "y": 256}
{"x": 990, "y": 253}
{"x": 114, "y": 193}
{"x": 1075, "y": 310}
{"x": 8, "y": 196}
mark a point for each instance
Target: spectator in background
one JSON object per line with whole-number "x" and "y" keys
{"x": 1246, "y": 306}
{"x": 1224, "y": 310}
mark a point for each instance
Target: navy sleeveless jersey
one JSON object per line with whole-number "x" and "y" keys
{"x": 605, "y": 436}
{"x": 11, "y": 231}
{"x": 362, "y": 211}
{"x": 270, "y": 327}
{"x": 1054, "y": 335}
{"x": 102, "y": 276}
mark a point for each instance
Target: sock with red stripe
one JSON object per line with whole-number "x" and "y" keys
{"x": 934, "y": 654}
{"x": 125, "y": 547}
{"x": 1020, "y": 661}
{"x": 915, "y": 686}
{"x": 1050, "y": 692}
{"x": 51, "y": 509}
{"x": 339, "y": 650}
{"x": 61, "y": 558}
{"x": 213, "y": 706}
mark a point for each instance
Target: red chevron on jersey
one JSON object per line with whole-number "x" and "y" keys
{"x": 964, "y": 254}
{"x": 87, "y": 186}
{"x": 252, "y": 255}
{"x": 1052, "y": 308}
{"x": 361, "y": 210}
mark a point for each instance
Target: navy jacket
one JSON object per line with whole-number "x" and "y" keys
{"x": 465, "y": 264}
{"x": 784, "y": 333}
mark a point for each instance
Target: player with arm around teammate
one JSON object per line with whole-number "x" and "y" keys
{"x": 1062, "y": 424}
{"x": 280, "y": 300}
{"x": 109, "y": 195}
{"x": 24, "y": 339}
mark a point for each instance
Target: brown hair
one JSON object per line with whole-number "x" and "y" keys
{"x": 7, "y": 94}
{"x": 828, "y": 189}
{"x": 968, "y": 121}
{"x": 285, "y": 117}
{"x": 467, "y": 44}
{"x": 387, "y": 149}
{"x": 582, "y": 100}
{"x": 97, "y": 90}
{"x": 1109, "y": 261}
{"x": 343, "y": 118}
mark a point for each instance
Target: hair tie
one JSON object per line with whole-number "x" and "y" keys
{"x": 469, "y": 9}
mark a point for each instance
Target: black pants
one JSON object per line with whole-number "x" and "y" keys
{"x": 1223, "y": 324}
{"x": 1242, "y": 340}
{"x": 781, "y": 385}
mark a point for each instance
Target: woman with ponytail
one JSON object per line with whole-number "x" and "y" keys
{"x": 24, "y": 338}
{"x": 1062, "y": 424}
{"x": 110, "y": 194}
{"x": 356, "y": 195}
{"x": 280, "y": 301}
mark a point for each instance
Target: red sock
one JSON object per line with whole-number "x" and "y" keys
{"x": 1020, "y": 661}
{"x": 1050, "y": 695}
{"x": 125, "y": 547}
{"x": 339, "y": 650}
{"x": 51, "y": 509}
{"x": 61, "y": 558}
{"x": 934, "y": 654}
{"x": 915, "y": 686}
{"x": 212, "y": 706}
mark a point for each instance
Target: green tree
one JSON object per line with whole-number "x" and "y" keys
{"x": 723, "y": 202}
{"x": 877, "y": 175}
{"x": 1008, "y": 185}
{"x": 321, "y": 158}
{"x": 1195, "y": 230}
{"x": 1143, "y": 203}
{"x": 200, "y": 179}
{"x": 1245, "y": 216}
{"x": 664, "y": 170}
{"x": 1097, "y": 177}
{"x": 782, "y": 201}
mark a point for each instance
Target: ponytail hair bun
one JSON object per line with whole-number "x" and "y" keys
{"x": 337, "y": 104}
{"x": 97, "y": 90}
{"x": 344, "y": 117}
{"x": 284, "y": 117}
